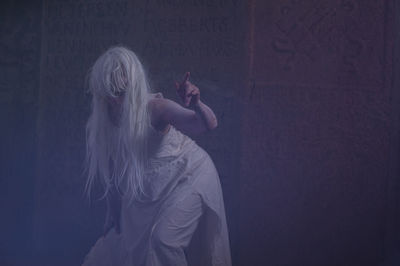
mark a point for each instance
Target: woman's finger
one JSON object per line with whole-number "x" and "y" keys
{"x": 187, "y": 100}
{"x": 186, "y": 77}
{"x": 188, "y": 96}
{"x": 189, "y": 92}
{"x": 195, "y": 91}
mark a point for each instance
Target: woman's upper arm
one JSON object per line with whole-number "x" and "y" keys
{"x": 184, "y": 119}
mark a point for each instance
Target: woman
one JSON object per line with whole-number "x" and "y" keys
{"x": 165, "y": 204}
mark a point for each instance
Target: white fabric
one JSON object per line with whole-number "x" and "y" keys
{"x": 182, "y": 222}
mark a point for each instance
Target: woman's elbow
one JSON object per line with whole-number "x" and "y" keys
{"x": 213, "y": 124}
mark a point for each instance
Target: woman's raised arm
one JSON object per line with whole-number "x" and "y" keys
{"x": 190, "y": 122}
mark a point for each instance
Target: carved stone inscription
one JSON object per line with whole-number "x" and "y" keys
{"x": 204, "y": 37}
{"x": 320, "y": 42}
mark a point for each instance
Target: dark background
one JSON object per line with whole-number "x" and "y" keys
{"x": 307, "y": 97}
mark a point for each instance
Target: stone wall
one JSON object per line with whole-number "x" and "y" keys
{"x": 19, "y": 86}
{"x": 317, "y": 131}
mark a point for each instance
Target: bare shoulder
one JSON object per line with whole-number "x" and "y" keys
{"x": 157, "y": 105}
{"x": 186, "y": 120}
{"x": 157, "y": 109}
{"x": 166, "y": 108}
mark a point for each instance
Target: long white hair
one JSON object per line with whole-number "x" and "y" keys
{"x": 117, "y": 129}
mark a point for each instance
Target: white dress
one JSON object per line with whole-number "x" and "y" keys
{"x": 181, "y": 223}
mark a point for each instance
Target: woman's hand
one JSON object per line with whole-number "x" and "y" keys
{"x": 187, "y": 92}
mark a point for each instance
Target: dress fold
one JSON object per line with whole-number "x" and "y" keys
{"x": 180, "y": 222}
